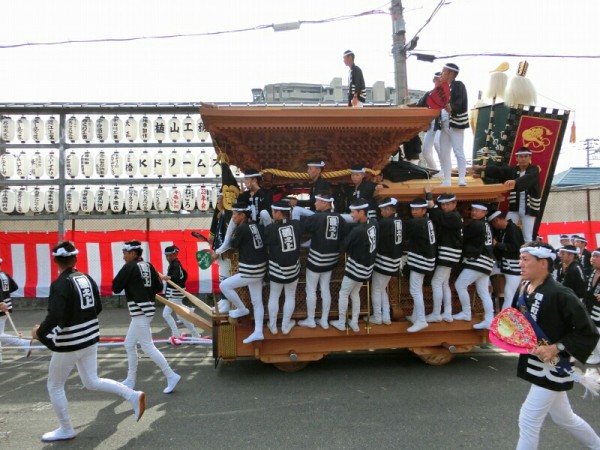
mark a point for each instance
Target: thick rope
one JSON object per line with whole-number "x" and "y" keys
{"x": 304, "y": 175}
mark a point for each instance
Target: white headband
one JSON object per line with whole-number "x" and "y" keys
{"x": 128, "y": 248}
{"x": 252, "y": 175}
{"x": 523, "y": 152}
{"x": 247, "y": 208}
{"x": 357, "y": 170}
{"x": 281, "y": 208}
{"x": 568, "y": 250}
{"x": 595, "y": 253}
{"x": 478, "y": 206}
{"x": 539, "y": 252}
{"x": 392, "y": 202}
{"x": 419, "y": 205}
{"x": 323, "y": 199}
{"x": 363, "y": 206}
{"x": 446, "y": 200}
{"x": 493, "y": 215}
{"x": 61, "y": 252}
{"x": 316, "y": 164}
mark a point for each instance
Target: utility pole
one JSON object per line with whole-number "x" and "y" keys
{"x": 591, "y": 147}
{"x": 399, "y": 51}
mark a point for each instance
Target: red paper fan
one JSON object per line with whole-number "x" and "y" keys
{"x": 511, "y": 331}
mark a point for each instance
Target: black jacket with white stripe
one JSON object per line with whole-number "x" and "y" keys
{"x": 248, "y": 238}
{"x": 591, "y": 302}
{"x": 478, "y": 250}
{"x": 361, "y": 247}
{"x": 449, "y": 233}
{"x": 574, "y": 279}
{"x": 283, "y": 244}
{"x": 326, "y": 229}
{"x": 73, "y": 308}
{"x": 141, "y": 283}
{"x": 421, "y": 242}
{"x": 178, "y": 276}
{"x": 389, "y": 247}
{"x": 528, "y": 183}
{"x": 459, "y": 118}
{"x": 506, "y": 250}
{"x": 7, "y": 287}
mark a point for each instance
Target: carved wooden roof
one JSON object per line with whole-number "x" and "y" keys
{"x": 285, "y": 138}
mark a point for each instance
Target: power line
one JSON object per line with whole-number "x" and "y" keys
{"x": 431, "y": 58}
{"x": 277, "y": 27}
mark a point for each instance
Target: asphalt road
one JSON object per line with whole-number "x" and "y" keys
{"x": 346, "y": 401}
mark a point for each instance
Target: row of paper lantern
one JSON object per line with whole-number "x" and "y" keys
{"x": 102, "y": 164}
{"x": 114, "y": 199}
{"x": 102, "y": 129}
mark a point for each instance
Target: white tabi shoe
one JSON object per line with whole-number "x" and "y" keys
{"x": 272, "y": 328}
{"x": 60, "y": 434}
{"x": 308, "y": 322}
{"x": 324, "y": 323}
{"x": 138, "y": 403}
{"x": 483, "y": 325}
{"x": 171, "y": 383}
{"x": 286, "y": 327}
{"x": 433, "y": 318}
{"x": 354, "y": 326}
{"x": 237, "y": 313}
{"x": 386, "y": 320}
{"x": 418, "y": 326}
{"x": 339, "y": 324}
{"x": 224, "y": 306}
{"x": 256, "y": 336}
{"x": 374, "y": 320}
{"x": 447, "y": 318}
{"x": 462, "y": 316}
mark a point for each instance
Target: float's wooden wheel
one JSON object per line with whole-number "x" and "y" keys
{"x": 291, "y": 366}
{"x": 437, "y": 359}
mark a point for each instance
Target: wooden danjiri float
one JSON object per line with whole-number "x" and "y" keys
{"x": 285, "y": 138}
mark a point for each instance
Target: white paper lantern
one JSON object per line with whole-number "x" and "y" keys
{"x": 174, "y": 128}
{"x": 8, "y": 201}
{"x": 146, "y": 199}
{"x": 52, "y": 200}
{"x": 131, "y": 129}
{"x": 102, "y": 128}
{"x": 145, "y": 128}
{"x": 52, "y": 129}
{"x": 22, "y": 164}
{"x": 72, "y": 164}
{"x": 37, "y": 165}
{"x": 159, "y": 129}
{"x": 116, "y": 129}
{"x": 101, "y": 164}
{"x": 202, "y": 133}
{"x": 188, "y": 199}
{"x": 175, "y": 199}
{"x": 116, "y": 199}
{"x": 160, "y": 163}
{"x": 131, "y": 164}
{"x": 160, "y": 199}
{"x": 37, "y": 129}
{"x": 202, "y": 198}
{"x": 203, "y": 162}
{"x": 22, "y": 201}
{"x": 116, "y": 164}
{"x": 215, "y": 166}
{"x": 87, "y": 200}
{"x": 87, "y": 164}
{"x": 174, "y": 163}
{"x": 145, "y": 163}
{"x": 52, "y": 164}
{"x": 102, "y": 199}
{"x": 188, "y": 162}
{"x": 131, "y": 199}
{"x": 7, "y": 129}
{"x": 37, "y": 200}
{"x": 188, "y": 128}
{"x": 214, "y": 196}
{"x": 23, "y": 129}
{"x": 87, "y": 129}
{"x": 72, "y": 129}
{"x": 72, "y": 200}
{"x": 7, "y": 165}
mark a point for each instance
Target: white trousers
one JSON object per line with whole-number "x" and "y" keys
{"x": 440, "y": 287}
{"x": 288, "y": 305}
{"x": 380, "y": 300}
{"x": 7, "y": 338}
{"x": 254, "y": 285}
{"x": 431, "y": 141}
{"x": 61, "y": 365}
{"x": 314, "y": 279}
{"x": 167, "y": 315}
{"x": 527, "y": 223}
{"x": 349, "y": 289}
{"x": 511, "y": 285}
{"x": 452, "y": 139}
{"x": 415, "y": 286}
{"x": 139, "y": 332}
{"x": 537, "y": 405}
{"x": 482, "y": 281}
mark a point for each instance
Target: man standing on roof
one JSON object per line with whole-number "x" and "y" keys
{"x": 357, "y": 91}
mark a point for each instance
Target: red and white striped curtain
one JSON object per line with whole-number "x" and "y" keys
{"x": 27, "y": 258}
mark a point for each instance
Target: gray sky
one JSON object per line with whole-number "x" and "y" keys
{"x": 227, "y": 66}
